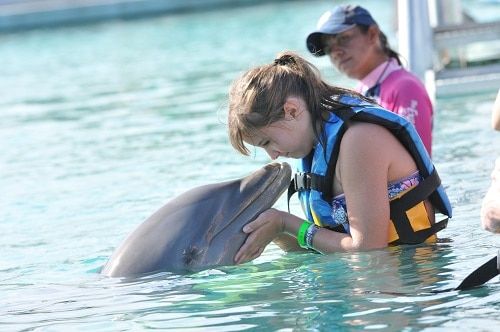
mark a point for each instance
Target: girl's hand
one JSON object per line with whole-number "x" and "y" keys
{"x": 262, "y": 231}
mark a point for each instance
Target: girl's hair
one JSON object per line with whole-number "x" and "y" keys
{"x": 386, "y": 48}
{"x": 257, "y": 98}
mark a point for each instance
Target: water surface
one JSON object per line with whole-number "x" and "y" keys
{"x": 102, "y": 124}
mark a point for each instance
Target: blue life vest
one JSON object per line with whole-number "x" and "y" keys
{"x": 314, "y": 178}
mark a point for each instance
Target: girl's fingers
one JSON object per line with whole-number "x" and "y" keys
{"x": 248, "y": 251}
{"x": 260, "y": 234}
{"x": 251, "y": 256}
{"x": 241, "y": 254}
{"x": 255, "y": 224}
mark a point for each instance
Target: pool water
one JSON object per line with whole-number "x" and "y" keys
{"x": 102, "y": 124}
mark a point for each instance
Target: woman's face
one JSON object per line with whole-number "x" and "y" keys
{"x": 291, "y": 137}
{"x": 352, "y": 51}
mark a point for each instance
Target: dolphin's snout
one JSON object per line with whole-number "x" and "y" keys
{"x": 207, "y": 220}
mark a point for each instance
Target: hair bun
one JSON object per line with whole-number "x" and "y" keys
{"x": 285, "y": 60}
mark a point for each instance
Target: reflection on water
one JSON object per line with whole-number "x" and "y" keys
{"x": 102, "y": 124}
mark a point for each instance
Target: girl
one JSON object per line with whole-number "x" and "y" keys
{"x": 365, "y": 179}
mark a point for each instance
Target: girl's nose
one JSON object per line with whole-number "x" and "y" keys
{"x": 272, "y": 153}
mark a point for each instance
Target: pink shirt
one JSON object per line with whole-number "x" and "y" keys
{"x": 402, "y": 92}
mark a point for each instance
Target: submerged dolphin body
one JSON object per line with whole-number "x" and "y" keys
{"x": 201, "y": 228}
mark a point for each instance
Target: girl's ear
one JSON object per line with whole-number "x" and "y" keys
{"x": 291, "y": 109}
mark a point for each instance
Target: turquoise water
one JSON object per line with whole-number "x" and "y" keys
{"x": 102, "y": 124}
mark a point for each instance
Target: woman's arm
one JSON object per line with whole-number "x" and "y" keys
{"x": 495, "y": 116}
{"x": 490, "y": 207}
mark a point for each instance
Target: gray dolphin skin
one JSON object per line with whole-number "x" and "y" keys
{"x": 201, "y": 228}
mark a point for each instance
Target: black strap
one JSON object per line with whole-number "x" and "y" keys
{"x": 399, "y": 206}
{"x": 343, "y": 111}
{"x": 291, "y": 191}
{"x": 308, "y": 181}
{"x": 482, "y": 274}
{"x": 423, "y": 190}
{"x": 412, "y": 237}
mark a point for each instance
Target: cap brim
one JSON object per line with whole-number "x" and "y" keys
{"x": 314, "y": 44}
{"x": 314, "y": 40}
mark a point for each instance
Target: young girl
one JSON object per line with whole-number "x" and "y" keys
{"x": 365, "y": 179}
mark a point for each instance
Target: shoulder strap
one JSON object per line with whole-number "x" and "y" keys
{"x": 308, "y": 181}
{"x": 346, "y": 114}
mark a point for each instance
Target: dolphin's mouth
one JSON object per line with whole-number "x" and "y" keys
{"x": 262, "y": 189}
{"x": 274, "y": 174}
{"x": 259, "y": 191}
{"x": 274, "y": 184}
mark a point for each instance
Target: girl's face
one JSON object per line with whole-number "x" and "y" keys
{"x": 291, "y": 137}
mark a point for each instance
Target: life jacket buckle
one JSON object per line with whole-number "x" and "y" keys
{"x": 302, "y": 181}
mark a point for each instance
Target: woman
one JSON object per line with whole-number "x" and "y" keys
{"x": 359, "y": 49}
{"x": 351, "y": 164}
{"x": 490, "y": 207}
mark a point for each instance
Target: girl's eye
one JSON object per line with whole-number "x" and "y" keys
{"x": 265, "y": 143}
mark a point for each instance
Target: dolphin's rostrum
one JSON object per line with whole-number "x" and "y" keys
{"x": 201, "y": 228}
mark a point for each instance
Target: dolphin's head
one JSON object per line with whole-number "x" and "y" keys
{"x": 201, "y": 228}
{"x": 248, "y": 197}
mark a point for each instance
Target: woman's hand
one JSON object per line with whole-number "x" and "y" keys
{"x": 261, "y": 232}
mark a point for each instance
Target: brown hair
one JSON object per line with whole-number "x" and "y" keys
{"x": 386, "y": 48}
{"x": 256, "y": 99}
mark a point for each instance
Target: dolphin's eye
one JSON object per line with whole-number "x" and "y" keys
{"x": 190, "y": 255}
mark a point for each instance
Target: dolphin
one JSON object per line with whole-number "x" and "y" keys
{"x": 201, "y": 228}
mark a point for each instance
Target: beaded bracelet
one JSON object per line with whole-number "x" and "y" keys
{"x": 311, "y": 231}
{"x": 301, "y": 234}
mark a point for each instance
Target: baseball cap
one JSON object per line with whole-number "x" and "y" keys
{"x": 334, "y": 21}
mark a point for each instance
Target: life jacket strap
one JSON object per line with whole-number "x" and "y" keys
{"x": 291, "y": 190}
{"x": 412, "y": 237}
{"x": 323, "y": 184}
{"x": 306, "y": 181}
{"x": 423, "y": 190}
{"x": 400, "y": 205}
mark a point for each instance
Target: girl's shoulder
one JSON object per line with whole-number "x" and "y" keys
{"x": 363, "y": 135}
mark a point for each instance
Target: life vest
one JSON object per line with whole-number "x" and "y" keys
{"x": 313, "y": 181}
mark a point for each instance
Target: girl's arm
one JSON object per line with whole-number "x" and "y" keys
{"x": 369, "y": 157}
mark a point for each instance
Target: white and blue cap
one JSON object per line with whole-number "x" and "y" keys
{"x": 335, "y": 21}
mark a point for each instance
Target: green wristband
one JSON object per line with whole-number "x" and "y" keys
{"x": 301, "y": 234}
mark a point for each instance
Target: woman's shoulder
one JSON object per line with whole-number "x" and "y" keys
{"x": 403, "y": 83}
{"x": 402, "y": 76}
